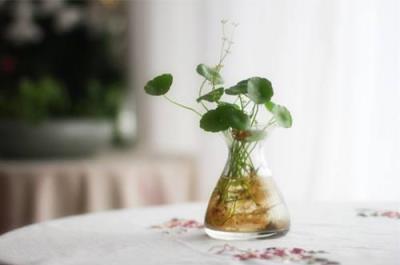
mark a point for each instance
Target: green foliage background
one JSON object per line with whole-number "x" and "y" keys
{"x": 70, "y": 73}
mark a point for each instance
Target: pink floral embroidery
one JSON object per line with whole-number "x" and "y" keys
{"x": 296, "y": 255}
{"x": 378, "y": 213}
{"x": 179, "y": 225}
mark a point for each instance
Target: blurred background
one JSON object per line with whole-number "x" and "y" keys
{"x": 78, "y": 134}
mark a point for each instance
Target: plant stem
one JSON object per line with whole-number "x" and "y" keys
{"x": 247, "y": 103}
{"x": 254, "y": 115}
{"x": 241, "y": 102}
{"x": 271, "y": 121}
{"x": 240, "y": 161}
{"x": 223, "y": 41}
{"x": 201, "y": 92}
{"x": 182, "y": 106}
{"x": 224, "y": 52}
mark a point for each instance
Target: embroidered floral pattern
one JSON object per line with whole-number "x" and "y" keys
{"x": 295, "y": 255}
{"x": 178, "y": 225}
{"x": 378, "y": 213}
{"x": 277, "y": 254}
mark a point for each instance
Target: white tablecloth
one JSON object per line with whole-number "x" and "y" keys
{"x": 320, "y": 234}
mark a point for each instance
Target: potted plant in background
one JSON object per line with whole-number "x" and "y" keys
{"x": 245, "y": 203}
{"x": 61, "y": 76}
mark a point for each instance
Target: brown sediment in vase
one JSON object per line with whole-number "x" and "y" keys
{"x": 246, "y": 204}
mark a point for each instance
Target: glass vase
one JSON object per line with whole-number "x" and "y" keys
{"x": 246, "y": 203}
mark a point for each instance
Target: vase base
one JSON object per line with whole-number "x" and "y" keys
{"x": 222, "y": 235}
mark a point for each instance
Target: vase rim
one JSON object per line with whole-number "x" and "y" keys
{"x": 250, "y": 135}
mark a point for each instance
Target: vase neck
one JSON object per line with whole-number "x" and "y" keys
{"x": 246, "y": 158}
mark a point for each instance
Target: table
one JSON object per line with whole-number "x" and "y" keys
{"x": 36, "y": 191}
{"x": 321, "y": 234}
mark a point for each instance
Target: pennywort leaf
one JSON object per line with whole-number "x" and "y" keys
{"x": 270, "y": 105}
{"x": 223, "y": 103}
{"x": 212, "y": 96}
{"x": 259, "y": 90}
{"x": 214, "y": 121}
{"x": 159, "y": 85}
{"x": 237, "y": 119}
{"x": 281, "y": 114}
{"x": 209, "y": 73}
{"x": 224, "y": 117}
{"x": 239, "y": 88}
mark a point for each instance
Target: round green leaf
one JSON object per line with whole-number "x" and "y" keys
{"x": 209, "y": 73}
{"x": 281, "y": 114}
{"x": 214, "y": 121}
{"x": 239, "y": 88}
{"x": 270, "y": 105}
{"x": 223, "y": 117}
{"x": 212, "y": 96}
{"x": 223, "y": 103}
{"x": 159, "y": 85}
{"x": 259, "y": 90}
{"x": 237, "y": 118}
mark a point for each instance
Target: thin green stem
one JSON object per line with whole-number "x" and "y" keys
{"x": 182, "y": 106}
{"x": 252, "y": 109}
{"x": 248, "y": 153}
{"x": 241, "y": 102}
{"x": 254, "y": 116}
{"x": 224, "y": 52}
{"x": 201, "y": 87}
{"x": 223, "y": 44}
{"x": 201, "y": 93}
{"x": 241, "y": 164}
{"x": 247, "y": 103}
{"x": 271, "y": 122}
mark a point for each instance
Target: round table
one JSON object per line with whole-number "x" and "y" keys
{"x": 322, "y": 234}
{"x": 40, "y": 190}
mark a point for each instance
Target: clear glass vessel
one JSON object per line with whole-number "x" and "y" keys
{"x": 246, "y": 203}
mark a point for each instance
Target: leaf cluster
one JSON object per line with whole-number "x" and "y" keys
{"x": 246, "y": 97}
{"x": 257, "y": 90}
